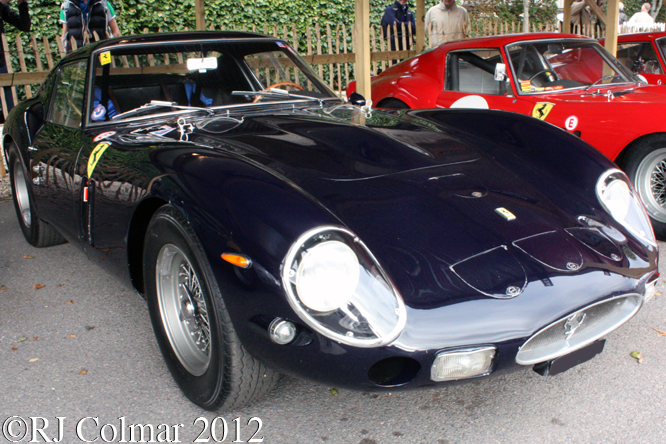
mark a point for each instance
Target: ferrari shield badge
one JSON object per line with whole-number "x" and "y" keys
{"x": 541, "y": 110}
{"x": 95, "y": 156}
{"x": 508, "y": 215}
{"x": 105, "y": 58}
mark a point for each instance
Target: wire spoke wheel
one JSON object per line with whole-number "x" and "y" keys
{"x": 191, "y": 323}
{"x": 183, "y": 309}
{"x": 651, "y": 183}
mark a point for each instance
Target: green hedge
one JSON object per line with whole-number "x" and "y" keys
{"x": 136, "y": 15}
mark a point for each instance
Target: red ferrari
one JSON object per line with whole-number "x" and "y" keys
{"x": 567, "y": 80}
{"x": 643, "y": 53}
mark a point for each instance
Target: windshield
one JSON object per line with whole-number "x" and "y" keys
{"x": 142, "y": 79}
{"x": 560, "y": 65}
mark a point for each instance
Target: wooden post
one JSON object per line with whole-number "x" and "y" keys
{"x": 420, "y": 25}
{"x": 362, "y": 68}
{"x": 566, "y": 19}
{"x": 200, "y": 15}
{"x": 612, "y": 21}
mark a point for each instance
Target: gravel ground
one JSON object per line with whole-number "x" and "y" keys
{"x": 5, "y": 191}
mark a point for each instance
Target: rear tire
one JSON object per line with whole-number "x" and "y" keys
{"x": 37, "y": 232}
{"x": 392, "y": 104}
{"x": 191, "y": 323}
{"x": 645, "y": 164}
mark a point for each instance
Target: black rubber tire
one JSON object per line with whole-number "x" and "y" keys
{"x": 392, "y": 103}
{"x": 645, "y": 164}
{"x": 233, "y": 378}
{"x": 37, "y": 232}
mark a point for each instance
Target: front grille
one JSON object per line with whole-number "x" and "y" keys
{"x": 578, "y": 329}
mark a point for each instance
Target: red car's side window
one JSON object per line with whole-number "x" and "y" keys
{"x": 639, "y": 57}
{"x": 473, "y": 71}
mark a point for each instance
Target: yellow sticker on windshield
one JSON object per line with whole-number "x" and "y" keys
{"x": 541, "y": 110}
{"x": 95, "y": 156}
{"x": 105, "y": 58}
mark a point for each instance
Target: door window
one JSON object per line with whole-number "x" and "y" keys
{"x": 473, "y": 71}
{"x": 640, "y": 58}
{"x": 67, "y": 105}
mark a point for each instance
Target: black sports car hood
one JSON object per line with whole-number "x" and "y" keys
{"x": 434, "y": 200}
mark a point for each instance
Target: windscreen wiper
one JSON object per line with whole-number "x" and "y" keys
{"x": 157, "y": 104}
{"x": 275, "y": 92}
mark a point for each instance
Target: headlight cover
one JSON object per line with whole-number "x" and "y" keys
{"x": 338, "y": 288}
{"x": 620, "y": 200}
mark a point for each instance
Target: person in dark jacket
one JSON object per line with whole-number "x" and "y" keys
{"x": 398, "y": 13}
{"x": 20, "y": 21}
{"x": 79, "y": 17}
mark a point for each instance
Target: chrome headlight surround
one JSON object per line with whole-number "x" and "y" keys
{"x": 337, "y": 287}
{"x": 618, "y": 197}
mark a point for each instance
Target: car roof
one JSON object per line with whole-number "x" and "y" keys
{"x": 502, "y": 40}
{"x": 641, "y": 36}
{"x": 173, "y": 37}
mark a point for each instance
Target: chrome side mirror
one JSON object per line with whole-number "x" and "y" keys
{"x": 500, "y": 72}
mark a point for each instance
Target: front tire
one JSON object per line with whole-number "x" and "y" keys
{"x": 645, "y": 164}
{"x": 37, "y": 232}
{"x": 191, "y": 323}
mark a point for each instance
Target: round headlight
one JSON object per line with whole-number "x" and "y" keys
{"x": 327, "y": 276}
{"x": 616, "y": 197}
{"x": 619, "y": 198}
{"x": 337, "y": 287}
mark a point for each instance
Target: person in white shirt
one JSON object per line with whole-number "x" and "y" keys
{"x": 447, "y": 21}
{"x": 642, "y": 19}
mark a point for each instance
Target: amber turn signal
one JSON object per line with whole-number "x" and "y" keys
{"x": 237, "y": 260}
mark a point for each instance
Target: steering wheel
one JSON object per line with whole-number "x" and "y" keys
{"x": 278, "y": 84}
{"x": 543, "y": 71}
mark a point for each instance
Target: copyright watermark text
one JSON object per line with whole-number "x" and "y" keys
{"x": 91, "y": 429}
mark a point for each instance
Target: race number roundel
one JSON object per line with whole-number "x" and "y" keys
{"x": 571, "y": 123}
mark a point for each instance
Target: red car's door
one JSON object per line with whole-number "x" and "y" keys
{"x": 476, "y": 78}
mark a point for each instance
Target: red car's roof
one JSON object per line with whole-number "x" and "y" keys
{"x": 638, "y": 37}
{"x": 501, "y": 40}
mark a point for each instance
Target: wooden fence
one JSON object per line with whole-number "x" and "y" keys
{"x": 329, "y": 49}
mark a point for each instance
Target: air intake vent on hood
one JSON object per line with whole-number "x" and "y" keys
{"x": 495, "y": 273}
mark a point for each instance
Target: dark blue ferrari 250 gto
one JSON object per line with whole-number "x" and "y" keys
{"x": 273, "y": 227}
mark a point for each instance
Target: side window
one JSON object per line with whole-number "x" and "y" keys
{"x": 474, "y": 72}
{"x": 640, "y": 58}
{"x": 67, "y": 105}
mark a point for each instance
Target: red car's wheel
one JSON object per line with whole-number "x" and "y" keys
{"x": 645, "y": 164}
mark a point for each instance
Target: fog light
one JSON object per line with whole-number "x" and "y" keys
{"x": 465, "y": 363}
{"x": 651, "y": 288}
{"x": 282, "y": 331}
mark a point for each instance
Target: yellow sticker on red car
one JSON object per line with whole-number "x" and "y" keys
{"x": 96, "y": 155}
{"x": 541, "y": 110}
{"x": 105, "y": 58}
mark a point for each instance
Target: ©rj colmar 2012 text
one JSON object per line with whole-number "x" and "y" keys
{"x": 121, "y": 430}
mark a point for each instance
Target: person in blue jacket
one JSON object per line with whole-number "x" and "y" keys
{"x": 398, "y": 13}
